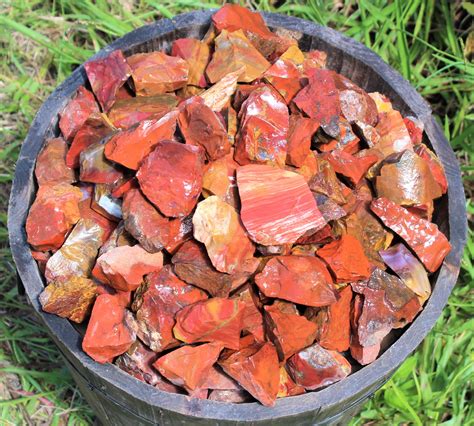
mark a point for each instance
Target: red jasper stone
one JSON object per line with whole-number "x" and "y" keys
{"x": 233, "y": 50}
{"x": 196, "y": 53}
{"x": 434, "y": 165}
{"x": 72, "y": 299}
{"x": 346, "y": 259}
{"x": 256, "y": 369}
{"x": 86, "y": 136}
{"x": 217, "y": 379}
{"x": 289, "y": 332}
{"x": 188, "y": 366}
{"x": 125, "y": 266}
{"x": 299, "y": 279}
{"x": 217, "y": 225}
{"x": 131, "y": 146}
{"x": 201, "y": 126}
{"x": 156, "y": 73}
{"x": 106, "y": 76}
{"x": 334, "y": 323}
{"x": 354, "y": 168}
{"x": 315, "y": 367}
{"x": 358, "y": 106}
{"x": 320, "y": 100}
{"x": 171, "y": 177}
{"x": 109, "y": 332}
{"x": 216, "y": 320}
{"x": 52, "y": 215}
{"x": 95, "y": 168}
{"x": 127, "y": 112}
{"x": 192, "y": 264}
{"x": 287, "y": 386}
{"x": 277, "y": 205}
{"x": 77, "y": 112}
{"x": 424, "y": 238}
{"x": 156, "y": 304}
{"x": 263, "y": 129}
{"x": 153, "y": 230}
{"x": 76, "y": 256}
{"x": 394, "y": 136}
{"x": 300, "y": 133}
{"x": 51, "y": 165}
{"x": 284, "y": 76}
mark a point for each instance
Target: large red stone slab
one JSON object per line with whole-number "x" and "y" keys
{"x": 147, "y": 225}
{"x": 109, "y": 332}
{"x": 125, "y": 266}
{"x": 424, "y": 238}
{"x": 216, "y": 320}
{"x": 315, "y": 367}
{"x": 156, "y": 73}
{"x": 52, "y": 215}
{"x": 233, "y": 50}
{"x": 346, "y": 259}
{"x": 189, "y": 366}
{"x": 217, "y": 225}
{"x": 171, "y": 177}
{"x": 196, "y": 53}
{"x": 156, "y": 304}
{"x": 200, "y": 126}
{"x": 277, "y": 205}
{"x": 192, "y": 264}
{"x": 81, "y": 108}
{"x": 72, "y": 299}
{"x": 300, "y": 279}
{"x": 131, "y": 146}
{"x": 106, "y": 76}
{"x": 256, "y": 369}
{"x": 51, "y": 165}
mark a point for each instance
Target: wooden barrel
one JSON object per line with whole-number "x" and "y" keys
{"x": 119, "y": 399}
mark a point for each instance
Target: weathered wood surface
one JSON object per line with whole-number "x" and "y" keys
{"x": 118, "y": 398}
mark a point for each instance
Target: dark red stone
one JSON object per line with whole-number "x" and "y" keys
{"x": 171, "y": 177}
{"x": 81, "y": 108}
{"x": 106, "y": 76}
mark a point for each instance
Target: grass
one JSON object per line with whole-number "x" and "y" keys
{"x": 426, "y": 40}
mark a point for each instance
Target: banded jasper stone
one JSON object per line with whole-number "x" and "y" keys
{"x": 277, "y": 205}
